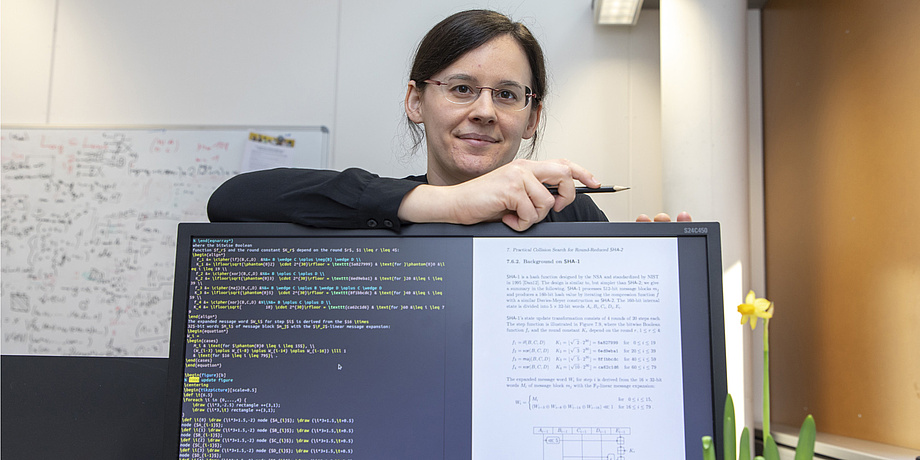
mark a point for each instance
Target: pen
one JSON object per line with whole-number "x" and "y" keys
{"x": 603, "y": 189}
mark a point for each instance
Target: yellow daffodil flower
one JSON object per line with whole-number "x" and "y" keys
{"x": 754, "y": 308}
{"x": 751, "y": 309}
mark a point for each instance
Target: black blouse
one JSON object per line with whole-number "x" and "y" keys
{"x": 353, "y": 198}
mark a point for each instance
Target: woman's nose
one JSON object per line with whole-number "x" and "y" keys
{"x": 483, "y": 108}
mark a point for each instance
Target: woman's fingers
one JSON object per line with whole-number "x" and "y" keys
{"x": 581, "y": 174}
{"x": 538, "y": 198}
{"x": 515, "y": 193}
{"x": 662, "y": 217}
{"x": 561, "y": 174}
{"x": 536, "y": 175}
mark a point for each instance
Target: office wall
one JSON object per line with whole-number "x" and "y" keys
{"x": 842, "y": 157}
{"x": 341, "y": 64}
{"x": 169, "y": 62}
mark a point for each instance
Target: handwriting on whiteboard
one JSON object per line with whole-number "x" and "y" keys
{"x": 88, "y": 233}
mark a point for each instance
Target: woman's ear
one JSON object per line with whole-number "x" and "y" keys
{"x": 414, "y": 103}
{"x": 533, "y": 122}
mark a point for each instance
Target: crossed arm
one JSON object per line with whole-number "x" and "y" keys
{"x": 515, "y": 194}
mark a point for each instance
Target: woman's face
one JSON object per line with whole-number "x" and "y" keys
{"x": 468, "y": 140}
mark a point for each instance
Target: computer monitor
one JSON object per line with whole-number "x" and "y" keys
{"x": 570, "y": 341}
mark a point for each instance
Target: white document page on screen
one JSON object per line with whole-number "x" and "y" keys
{"x": 577, "y": 349}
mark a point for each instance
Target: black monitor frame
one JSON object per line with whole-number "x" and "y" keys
{"x": 708, "y": 232}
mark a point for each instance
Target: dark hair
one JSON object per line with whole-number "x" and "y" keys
{"x": 463, "y": 32}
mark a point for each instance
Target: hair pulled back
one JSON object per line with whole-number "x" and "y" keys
{"x": 463, "y": 32}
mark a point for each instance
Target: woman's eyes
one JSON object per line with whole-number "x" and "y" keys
{"x": 498, "y": 93}
{"x": 462, "y": 89}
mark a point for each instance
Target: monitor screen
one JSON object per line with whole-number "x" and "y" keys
{"x": 569, "y": 341}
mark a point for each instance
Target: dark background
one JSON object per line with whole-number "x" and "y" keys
{"x": 82, "y": 407}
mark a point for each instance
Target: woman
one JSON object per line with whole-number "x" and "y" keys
{"x": 476, "y": 85}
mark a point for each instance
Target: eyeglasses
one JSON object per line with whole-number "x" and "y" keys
{"x": 508, "y": 97}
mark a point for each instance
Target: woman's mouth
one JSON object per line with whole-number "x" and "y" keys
{"x": 477, "y": 139}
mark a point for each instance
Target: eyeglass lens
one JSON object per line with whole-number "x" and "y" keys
{"x": 508, "y": 96}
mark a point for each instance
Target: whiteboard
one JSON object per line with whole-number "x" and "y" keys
{"x": 89, "y": 217}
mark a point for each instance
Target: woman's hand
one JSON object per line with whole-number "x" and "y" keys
{"x": 662, "y": 217}
{"x": 515, "y": 193}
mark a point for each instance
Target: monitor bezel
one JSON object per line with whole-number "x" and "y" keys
{"x": 709, "y": 231}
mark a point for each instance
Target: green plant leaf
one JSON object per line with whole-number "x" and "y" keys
{"x": 805, "y": 449}
{"x": 770, "y": 451}
{"x": 744, "y": 446}
{"x": 728, "y": 429}
{"x": 709, "y": 451}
